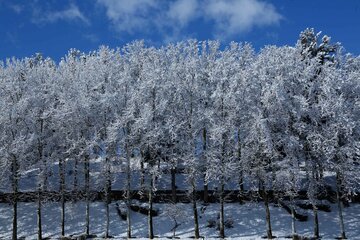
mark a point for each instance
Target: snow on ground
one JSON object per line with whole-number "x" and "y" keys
{"x": 248, "y": 221}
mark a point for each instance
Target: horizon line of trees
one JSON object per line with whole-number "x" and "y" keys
{"x": 264, "y": 118}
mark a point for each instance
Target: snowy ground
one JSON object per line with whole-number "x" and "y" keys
{"x": 248, "y": 221}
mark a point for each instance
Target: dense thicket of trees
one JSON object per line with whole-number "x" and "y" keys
{"x": 264, "y": 119}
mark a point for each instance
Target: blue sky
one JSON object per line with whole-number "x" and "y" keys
{"x": 52, "y": 27}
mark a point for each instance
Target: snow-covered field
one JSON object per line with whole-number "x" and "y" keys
{"x": 248, "y": 221}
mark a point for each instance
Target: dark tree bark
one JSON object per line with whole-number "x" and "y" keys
{"x": 293, "y": 226}
{"x": 241, "y": 177}
{"x": 38, "y": 213}
{"x": 195, "y": 213}
{"x": 267, "y": 210}
{"x": 62, "y": 193}
{"x": 316, "y": 222}
{"x": 107, "y": 197}
{"x": 42, "y": 180}
{"x": 340, "y": 205}
{"x": 15, "y": 186}
{"x": 206, "y": 189}
{"x": 128, "y": 189}
{"x": 222, "y": 217}
{"x": 173, "y": 184}
{"x": 87, "y": 192}
{"x": 14, "y": 230}
{"x": 150, "y": 217}
{"x": 75, "y": 183}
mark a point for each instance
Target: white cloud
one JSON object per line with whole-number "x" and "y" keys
{"x": 238, "y": 16}
{"x": 70, "y": 14}
{"x": 129, "y": 15}
{"x": 230, "y": 17}
{"x": 183, "y": 11}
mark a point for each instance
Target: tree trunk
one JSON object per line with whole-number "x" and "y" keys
{"x": 293, "y": 226}
{"x": 62, "y": 200}
{"x": 173, "y": 184}
{"x": 15, "y": 168}
{"x": 87, "y": 218}
{"x": 241, "y": 177}
{"x": 128, "y": 197}
{"x": 62, "y": 215}
{"x": 42, "y": 179}
{"x": 174, "y": 230}
{"x": 150, "y": 218}
{"x": 241, "y": 182}
{"x": 107, "y": 213}
{"x": 14, "y": 230}
{"x": 222, "y": 220}
{"x": 206, "y": 192}
{"x": 196, "y": 221}
{"x": 38, "y": 213}
{"x": 87, "y": 191}
{"x": 340, "y": 206}
{"x": 267, "y": 210}
{"x": 316, "y": 222}
{"x": 107, "y": 197}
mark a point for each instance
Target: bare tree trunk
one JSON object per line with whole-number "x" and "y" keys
{"x": 107, "y": 213}
{"x": 87, "y": 220}
{"x": 128, "y": 188}
{"x": 292, "y": 202}
{"x": 340, "y": 206}
{"x": 241, "y": 177}
{"x": 206, "y": 190}
{"x": 174, "y": 229}
{"x": 15, "y": 168}
{"x": 62, "y": 200}
{"x": 42, "y": 182}
{"x": 150, "y": 218}
{"x": 241, "y": 182}
{"x": 62, "y": 215}
{"x": 267, "y": 210}
{"x": 38, "y": 213}
{"x": 293, "y": 226}
{"x": 14, "y": 230}
{"x": 107, "y": 222}
{"x": 222, "y": 220}
{"x": 316, "y": 222}
{"x": 87, "y": 192}
{"x": 173, "y": 184}
{"x": 107, "y": 197}
{"x": 196, "y": 221}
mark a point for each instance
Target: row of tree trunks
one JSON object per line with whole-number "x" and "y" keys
{"x": 196, "y": 224}
{"x": 232, "y": 196}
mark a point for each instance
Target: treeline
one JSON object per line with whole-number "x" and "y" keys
{"x": 278, "y": 119}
